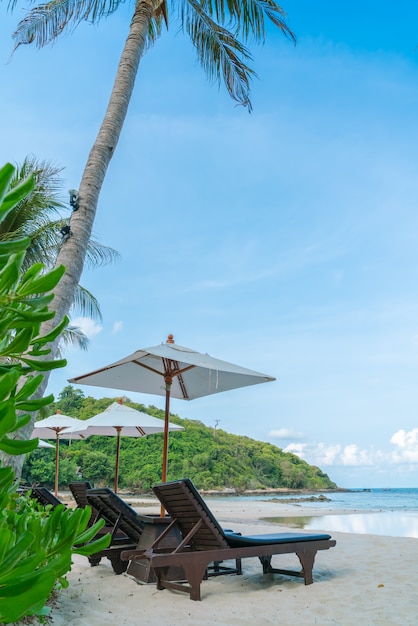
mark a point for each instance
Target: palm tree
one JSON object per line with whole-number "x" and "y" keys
{"x": 218, "y": 30}
{"x": 40, "y": 217}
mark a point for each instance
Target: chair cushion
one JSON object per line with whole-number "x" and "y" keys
{"x": 236, "y": 541}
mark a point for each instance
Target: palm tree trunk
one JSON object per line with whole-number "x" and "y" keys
{"x": 73, "y": 251}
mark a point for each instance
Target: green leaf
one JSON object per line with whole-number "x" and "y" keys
{"x": 15, "y": 195}
{"x": 32, "y": 272}
{"x": 28, "y": 598}
{"x": 43, "y": 366}
{"x": 6, "y": 177}
{"x": 40, "y": 302}
{"x": 34, "y": 404}
{"x": 53, "y": 334}
{"x": 34, "y": 316}
{"x": 21, "y": 420}
{"x": 44, "y": 283}
{"x": 11, "y": 247}
{"x": 9, "y": 275}
{"x": 16, "y": 447}
{"x": 94, "y": 546}
{"x": 20, "y": 342}
{"x": 15, "y": 555}
{"x": 7, "y": 419}
{"x": 29, "y": 387}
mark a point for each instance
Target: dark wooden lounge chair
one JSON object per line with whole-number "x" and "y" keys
{"x": 79, "y": 492}
{"x": 120, "y": 541}
{"x": 204, "y": 542}
{"x": 44, "y": 496}
{"x": 136, "y": 529}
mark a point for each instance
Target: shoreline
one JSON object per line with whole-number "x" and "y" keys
{"x": 365, "y": 579}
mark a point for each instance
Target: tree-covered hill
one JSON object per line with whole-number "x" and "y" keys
{"x": 212, "y": 458}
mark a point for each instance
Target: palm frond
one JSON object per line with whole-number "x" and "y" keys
{"x": 99, "y": 255}
{"x": 74, "y": 336}
{"x": 222, "y": 55}
{"x": 45, "y": 22}
{"x": 86, "y": 304}
{"x": 245, "y": 18}
{"x": 155, "y": 27}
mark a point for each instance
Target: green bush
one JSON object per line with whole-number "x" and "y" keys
{"x": 39, "y": 468}
{"x": 35, "y": 545}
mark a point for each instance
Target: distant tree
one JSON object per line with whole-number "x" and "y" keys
{"x": 97, "y": 467}
{"x": 70, "y": 400}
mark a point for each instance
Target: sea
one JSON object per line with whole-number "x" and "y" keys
{"x": 391, "y": 512}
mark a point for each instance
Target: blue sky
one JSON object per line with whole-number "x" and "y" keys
{"x": 283, "y": 241}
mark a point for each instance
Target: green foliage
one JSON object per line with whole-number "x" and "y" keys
{"x": 70, "y": 400}
{"x": 214, "y": 459}
{"x": 39, "y": 467}
{"x": 98, "y": 466}
{"x": 35, "y": 544}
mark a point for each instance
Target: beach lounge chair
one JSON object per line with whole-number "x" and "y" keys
{"x": 120, "y": 541}
{"x": 122, "y": 521}
{"x": 204, "y": 541}
{"x": 142, "y": 531}
{"x": 79, "y": 492}
{"x": 44, "y": 496}
{"x": 137, "y": 529}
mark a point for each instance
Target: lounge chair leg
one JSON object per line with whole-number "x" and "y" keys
{"x": 195, "y": 573}
{"x": 307, "y": 559}
{"x": 118, "y": 566}
{"x": 266, "y": 564}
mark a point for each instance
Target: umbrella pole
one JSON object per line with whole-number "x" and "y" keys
{"x": 168, "y": 381}
{"x": 117, "y": 459}
{"x": 166, "y": 423}
{"x": 57, "y": 462}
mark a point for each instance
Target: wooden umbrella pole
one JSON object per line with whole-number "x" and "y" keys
{"x": 57, "y": 461}
{"x": 168, "y": 382}
{"x": 118, "y": 429}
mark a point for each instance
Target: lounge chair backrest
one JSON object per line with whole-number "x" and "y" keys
{"x": 185, "y": 505}
{"x": 44, "y": 496}
{"x": 110, "y": 506}
{"x": 79, "y": 491}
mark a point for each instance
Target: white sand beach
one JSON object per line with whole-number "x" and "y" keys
{"x": 364, "y": 580}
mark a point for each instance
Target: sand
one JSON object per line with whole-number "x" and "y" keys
{"x": 365, "y": 580}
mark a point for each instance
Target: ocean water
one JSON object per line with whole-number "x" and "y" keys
{"x": 391, "y": 512}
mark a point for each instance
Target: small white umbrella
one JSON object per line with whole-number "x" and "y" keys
{"x": 55, "y": 427}
{"x": 44, "y": 444}
{"x": 174, "y": 371}
{"x": 119, "y": 420}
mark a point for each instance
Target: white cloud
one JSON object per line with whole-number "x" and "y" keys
{"x": 285, "y": 433}
{"x": 88, "y": 326}
{"x": 117, "y": 327}
{"x": 322, "y": 454}
{"x": 351, "y": 455}
{"x": 406, "y": 446}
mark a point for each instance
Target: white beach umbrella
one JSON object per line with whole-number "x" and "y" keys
{"x": 44, "y": 444}
{"x": 56, "y": 427}
{"x": 119, "y": 420}
{"x": 174, "y": 371}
